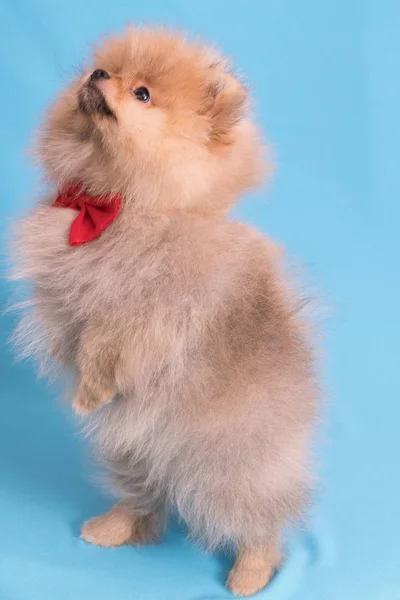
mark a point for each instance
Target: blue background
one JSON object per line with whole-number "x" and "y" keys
{"x": 326, "y": 77}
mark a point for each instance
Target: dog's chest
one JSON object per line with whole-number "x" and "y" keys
{"x": 114, "y": 267}
{"x": 133, "y": 279}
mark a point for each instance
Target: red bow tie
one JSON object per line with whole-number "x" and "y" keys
{"x": 96, "y": 213}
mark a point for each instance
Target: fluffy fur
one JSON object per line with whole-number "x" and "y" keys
{"x": 191, "y": 355}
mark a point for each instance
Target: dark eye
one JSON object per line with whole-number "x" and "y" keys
{"x": 142, "y": 94}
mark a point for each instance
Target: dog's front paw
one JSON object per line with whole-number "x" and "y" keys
{"x": 88, "y": 400}
{"x": 83, "y": 404}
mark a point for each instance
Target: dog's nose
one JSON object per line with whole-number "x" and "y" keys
{"x": 100, "y": 74}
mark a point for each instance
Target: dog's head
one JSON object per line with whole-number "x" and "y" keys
{"x": 158, "y": 118}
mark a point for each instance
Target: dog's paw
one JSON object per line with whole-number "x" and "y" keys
{"x": 118, "y": 527}
{"x": 83, "y": 405}
{"x": 110, "y": 530}
{"x": 253, "y": 570}
{"x": 87, "y": 400}
{"x": 247, "y": 582}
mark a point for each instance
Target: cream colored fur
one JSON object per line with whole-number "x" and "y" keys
{"x": 192, "y": 358}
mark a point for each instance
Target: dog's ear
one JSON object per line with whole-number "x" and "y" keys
{"x": 226, "y": 100}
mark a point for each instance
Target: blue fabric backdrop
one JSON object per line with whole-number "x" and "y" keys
{"x": 326, "y": 77}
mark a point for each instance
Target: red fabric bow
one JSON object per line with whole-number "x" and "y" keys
{"x": 96, "y": 213}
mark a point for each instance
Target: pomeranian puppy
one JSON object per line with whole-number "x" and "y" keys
{"x": 194, "y": 367}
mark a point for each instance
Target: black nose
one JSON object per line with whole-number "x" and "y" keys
{"x": 100, "y": 74}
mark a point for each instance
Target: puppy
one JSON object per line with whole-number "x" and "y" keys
{"x": 194, "y": 367}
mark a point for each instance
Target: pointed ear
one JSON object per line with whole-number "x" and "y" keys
{"x": 227, "y": 105}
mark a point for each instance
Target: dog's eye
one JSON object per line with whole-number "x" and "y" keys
{"x": 142, "y": 94}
